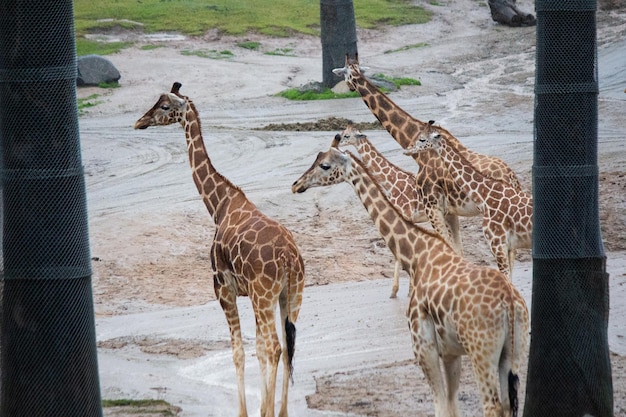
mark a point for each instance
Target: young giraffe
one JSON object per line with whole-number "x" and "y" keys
{"x": 507, "y": 212}
{"x": 252, "y": 255}
{"x": 456, "y": 308}
{"x": 440, "y": 194}
{"x": 399, "y": 183}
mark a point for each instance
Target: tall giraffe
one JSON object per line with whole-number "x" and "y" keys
{"x": 252, "y": 255}
{"x": 456, "y": 308}
{"x": 441, "y": 197}
{"x": 507, "y": 212}
{"x": 399, "y": 183}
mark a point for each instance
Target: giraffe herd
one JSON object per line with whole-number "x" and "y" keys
{"x": 455, "y": 307}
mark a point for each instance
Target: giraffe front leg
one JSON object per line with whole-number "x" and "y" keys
{"x": 438, "y": 222}
{"x": 496, "y": 238}
{"x": 396, "y": 279}
{"x": 228, "y": 301}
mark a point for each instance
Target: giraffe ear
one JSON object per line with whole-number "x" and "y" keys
{"x": 340, "y": 71}
{"x": 175, "y": 99}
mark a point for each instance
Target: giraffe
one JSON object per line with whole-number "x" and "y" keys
{"x": 455, "y": 308}
{"x": 507, "y": 212}
{"x": 399, "y": 183}
{"x": 441, "y": 198}
{"x": 251, "y": 255}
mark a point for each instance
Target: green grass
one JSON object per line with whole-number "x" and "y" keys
{"x": 233, "y": 17}
{"x": 151, "y": 407}
{"x": 398, "y": 81}
{"x": 87, "y": 102}
{"x": 296, "y": 94}
{"x": 281, "y": 52}
{"x": 407, "y": 47}
{"x": 208, "y": 53}
{"x": 249, "y": 45}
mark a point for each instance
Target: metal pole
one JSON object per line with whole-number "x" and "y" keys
{"x": 49, "y": 357}
{"x": 569, "y": 372}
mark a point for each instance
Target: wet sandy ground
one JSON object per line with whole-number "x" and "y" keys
{"x": 160, "y": 332}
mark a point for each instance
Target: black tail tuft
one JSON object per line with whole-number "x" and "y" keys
{"x": 513, "y": 386}
{"x": 290, "y": 331}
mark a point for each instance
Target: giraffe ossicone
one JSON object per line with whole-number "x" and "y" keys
{"x": 251, "y": 255}
{"x": 455, "y": 308}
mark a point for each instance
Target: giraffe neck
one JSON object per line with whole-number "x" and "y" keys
{"x": 374, "y": 160}
{"x": 463, "y": 173}
{"x": 408, "y": 242}
{"x": 213, "y": 187}
{"x": 401, "y": 125}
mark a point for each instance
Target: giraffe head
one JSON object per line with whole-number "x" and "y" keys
{"x": 350, "y": 71}
{"x": 349, "y": 136}
{"x": 170, "y": 108}
{"x": 430, "y": 138}
{"x": 330, "y": 167}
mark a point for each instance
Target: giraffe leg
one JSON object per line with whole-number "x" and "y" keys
{"x": 438, "y": 221}
{"x": 452, "y": 369}
{"x": 452, "y": 224}
{"x": 496, "y": 236}
{"x": 228, "y": 301}
{"x": 268, "y": 352}
{"x": 487, "y": 374}
{"x": 426, "y": 354}
{"x": 284, "y": 305}
{"x": 396, "y": 279}
{"x": 511, "y": 257}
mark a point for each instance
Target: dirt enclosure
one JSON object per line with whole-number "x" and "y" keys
{"x": 160, "y": 332}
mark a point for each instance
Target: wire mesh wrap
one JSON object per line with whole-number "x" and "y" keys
{"x": 48, "y": 358}
{"x": 569, "y": 369}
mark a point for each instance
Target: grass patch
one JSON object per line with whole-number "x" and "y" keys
{"x": 87, "y": 102}
{"x": 398, "y": 81}
{"x": 113, "y": 84}
{"x": 151, "y": 47}
{"x": 211, "y": 54}
{"x": 253, "y": 46}
{"x": 141, "y": 407}
{"x": 233, "y": 17}
{"x": 88, "y": 47}
{"x": 407, "y": 47}
{"x": 326, "y": 94}
{"x": 281, "y": 52}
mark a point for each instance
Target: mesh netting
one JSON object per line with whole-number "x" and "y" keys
{"x": 569, "y": 367}
{"x": 49, "y": 361}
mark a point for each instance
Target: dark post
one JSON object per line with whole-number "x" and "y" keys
{"x": 569, "y": 371}
{"x": 48, "y": 358}
{"x": 338, "y": 31}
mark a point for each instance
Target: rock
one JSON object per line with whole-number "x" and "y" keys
{"x": 94, "y": 70}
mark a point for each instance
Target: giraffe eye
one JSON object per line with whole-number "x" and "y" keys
{"x": 165, "y": 107}
{"x": 325, "y": 166}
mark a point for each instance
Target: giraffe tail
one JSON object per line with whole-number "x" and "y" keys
{"x": 290, "y": 328}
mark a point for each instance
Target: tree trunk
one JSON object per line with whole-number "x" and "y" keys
{"x": 338, "y": 31}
